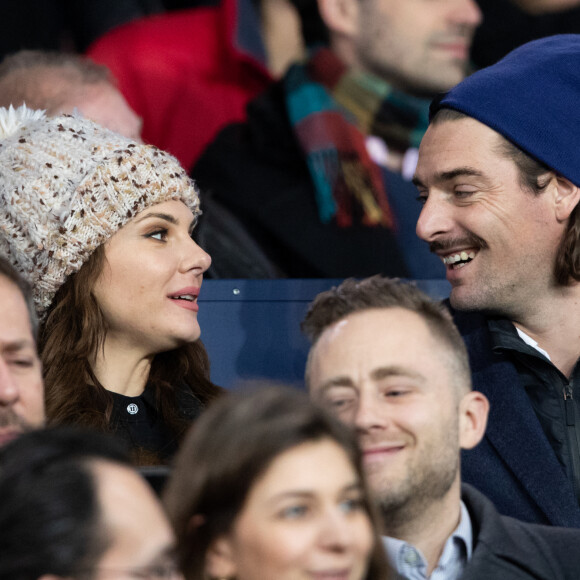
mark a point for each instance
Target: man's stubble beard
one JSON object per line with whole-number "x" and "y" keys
{"x": 427, "y": 481}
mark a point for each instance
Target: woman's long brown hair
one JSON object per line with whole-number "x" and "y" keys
{"x": 71, "y": 336}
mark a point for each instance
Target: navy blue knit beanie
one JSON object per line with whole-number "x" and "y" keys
{"x": 531, "y": 97}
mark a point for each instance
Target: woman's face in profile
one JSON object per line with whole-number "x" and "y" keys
{"x": 151, "y": 279}
{"x": 303, "y": 519}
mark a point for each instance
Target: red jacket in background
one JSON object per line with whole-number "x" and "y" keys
{"x": 187, "y": 73}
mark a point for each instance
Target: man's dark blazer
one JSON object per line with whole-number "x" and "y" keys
{"x": 514, "y": 465}
{"x": 508, "y": 549}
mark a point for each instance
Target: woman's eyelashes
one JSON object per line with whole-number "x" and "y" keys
{"x": 162, "y": 233}
{"x": 159, "y": 234}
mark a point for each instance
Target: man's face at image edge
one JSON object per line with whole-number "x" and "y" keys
{"x": 21, "y": 386}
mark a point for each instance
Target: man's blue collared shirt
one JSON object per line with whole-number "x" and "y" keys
{"x": 409, "y": 563}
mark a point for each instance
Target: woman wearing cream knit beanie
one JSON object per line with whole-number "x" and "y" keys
{"x": 101, "y": 227}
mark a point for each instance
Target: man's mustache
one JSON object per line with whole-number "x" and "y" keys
{"x": 469, "y": 240}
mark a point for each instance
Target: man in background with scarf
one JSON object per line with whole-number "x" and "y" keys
{"x": 319, "y": 175}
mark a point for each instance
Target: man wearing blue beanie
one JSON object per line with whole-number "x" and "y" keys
{"x": 499, "y": 179}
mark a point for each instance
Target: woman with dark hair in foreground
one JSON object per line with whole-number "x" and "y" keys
{"x": 267, "y": 485}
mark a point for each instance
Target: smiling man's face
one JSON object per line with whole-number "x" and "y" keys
{"x": 498, "y": 240}
{"x": 383, "y": 372}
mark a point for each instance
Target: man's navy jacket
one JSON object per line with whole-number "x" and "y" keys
{"x": 514, "y": 465}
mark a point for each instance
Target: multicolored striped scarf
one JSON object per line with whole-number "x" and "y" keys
{"x": 332, "y": 110}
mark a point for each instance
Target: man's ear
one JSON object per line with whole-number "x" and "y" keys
{"x": 473, "y": 411}
{"x": 340, "y": 16}
{"x": 219, "y": 560}
{"x": 567, "y": 196}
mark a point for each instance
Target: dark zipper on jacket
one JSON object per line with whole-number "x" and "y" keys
{"x": 572, "y": 430}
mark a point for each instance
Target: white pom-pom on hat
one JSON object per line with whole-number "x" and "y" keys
{"x": 11, "y": 119}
